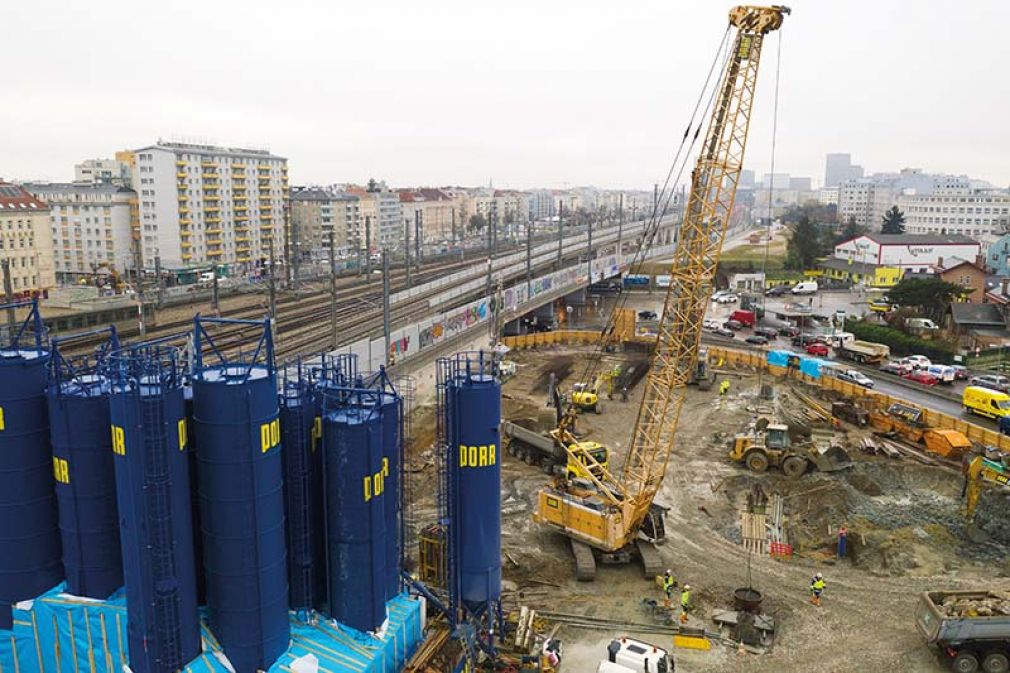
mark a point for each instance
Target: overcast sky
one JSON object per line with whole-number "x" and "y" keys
{"x": 523, "y": 93}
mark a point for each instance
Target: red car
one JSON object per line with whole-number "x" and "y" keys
{"x": 817, "y": 348}
{"x": 923, "y": 377}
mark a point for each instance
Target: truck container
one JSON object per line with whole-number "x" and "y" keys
{"x": 745, "y": 318}
{"x": 536, "y": 448}
{"x": 866, "y": 352}
{"x": 968, "y": 629}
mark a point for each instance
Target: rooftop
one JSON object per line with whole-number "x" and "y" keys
{"x": 211, "y": 150}
{"x": 15, "y": 197}
{"x": 921, "y": 239}
{"x": 74, "y": 188}
{"x": 976, "y": 315}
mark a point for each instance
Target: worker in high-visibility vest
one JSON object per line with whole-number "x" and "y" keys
{"x": 724, "y": 387}
{"x": 668, "y": 585}
{"x": 816, "y": 589}
{"x": 685, "y": 602}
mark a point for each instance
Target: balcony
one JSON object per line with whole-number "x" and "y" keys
{"x": 186, "y": 245}
{"x": 212, "y": 209}
{"x": 241, "y": 239}
{"x": 215, "y": 253}
{"x": 181, "y": 175}
{"x": 211, "y": 197}
{"x": 243, "y": 259}
{"x": 266, "y": 227}
{"x": 212, "y": 232}
{"x": 241, "y": 209}
{"x": 266, "y": 208}
{"x": 184, "y": 210}
{"x": 238, "y": 165}
{"x": 206, "y": 163}
{"x": 185, "y": 220}
{"x": 241, "y": 218}
{"x": 183, "y": 197}
{"x": 186, "y": 255}
{"x": 180, "y": 163}
{"x": 212, "y": 220}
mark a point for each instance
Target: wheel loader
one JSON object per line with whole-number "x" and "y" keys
{"x": 770, "y": 445}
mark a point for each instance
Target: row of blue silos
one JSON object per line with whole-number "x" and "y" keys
{"x": 315, "y": 526}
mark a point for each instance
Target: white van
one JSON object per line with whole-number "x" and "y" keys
{"x": 607, "y": 667}
{"x": 639, "y": 657}
{"x": 838, "y": 339}
{"x": 806, "y": 287}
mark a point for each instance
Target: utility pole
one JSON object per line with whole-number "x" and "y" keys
{"x": 161, "y": 280}
{"x": 287, "y": 251}
{"x": 138, "y": 278}
{"x": 529, "y": 256}
{"x": 333, "y": 294}
{"x": 296, "y": 250}
{"x": 490, "y": 244}
{"x": 589, "y": 250}
{"x": 561, "y": 228}
{"x": 215, "y": 296}
{"x": 418, "y": 219}
{"x": 655, "y": 199}
{"x": 272, "y": 285}
{"x": 385, "y": 305}
{"x": 620, "y": 231}
{"x": 368, "y": 248}
{"x": 9, "y": 298}
{"x": 454, "y": 234}
{"x": 406, "y": 249}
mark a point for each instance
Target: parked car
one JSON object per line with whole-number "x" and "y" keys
{"x": 857, "y": 377}
{"x": 767, "y": 332}
{"x": 804, "y": 340}
{"x": 922, "y": 376}
{"x": 961, "y": 372}
{"x": 916, "y": 361}
{"x": 718, "y": 294}
{"x": 710, "y": 324}
{"x": 777, "y": 291}
{"x": 722, "y": 331}
{"x": 895, "y": 367}
{"x": 789, "y": 331}
{"x": 727, "y": 299}
{"x": 734, "y": 325}
{"x": 647, "y": 315}
{"x": 757, "y": 339}
{"x": 817, "y": 348}
{"x": 992, "y": 382}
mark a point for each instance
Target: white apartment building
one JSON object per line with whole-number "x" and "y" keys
{"x": 200, "y": 204}
{"x": 25, "y": 240}
{"x": 102, "y": 171}
{"x": 982, "y": 214}
{"x": 90, "y": 225}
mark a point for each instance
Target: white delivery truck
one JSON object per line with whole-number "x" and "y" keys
{"x": 806, "y": 287}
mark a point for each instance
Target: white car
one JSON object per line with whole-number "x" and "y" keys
{"x": 710, "y": 324}
{"x": 718, "y": 294}
{"x": 857, "y": 377}
{"x": 729, "y": 298}
{"x": 916, "y": 361}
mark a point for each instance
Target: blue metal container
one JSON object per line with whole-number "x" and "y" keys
{"x": 149, "y": 445}
{"x": 473, "y": 402}
{"x": 84, "y": 471}
{"x": 355, "y": 514}
{"x": 302, "y": 504}
{"x": 30, "y": 551}
{"x": 392, "y": 464}
{"x": 196, "y": 529}
{"x": 241, "y": 499}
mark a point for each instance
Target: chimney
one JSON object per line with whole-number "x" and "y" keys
{"x": 1003, "y": 283}
{"x": 939, "y": 263}
{"x": 980, "y": 261}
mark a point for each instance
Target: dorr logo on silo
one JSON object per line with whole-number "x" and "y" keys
{"x": 270, "y": 435}
{"x": 477, "y": 456}
{"x": 375, "y": 484}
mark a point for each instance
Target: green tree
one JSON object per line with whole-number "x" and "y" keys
{"x": 477, "y": 222}
{"x": 931, "y": 295}
{"x": 806, "y": 244}
{"x": 850, "y": 231}
{"x": 893, "y": 222}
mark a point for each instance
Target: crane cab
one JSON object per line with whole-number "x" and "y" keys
{"x": 589, "y": 455}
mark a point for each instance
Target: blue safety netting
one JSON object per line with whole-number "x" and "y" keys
{"x": 59, "y": 633}
{"x": 778, "y": 358}
{"x": 812, "y": 366}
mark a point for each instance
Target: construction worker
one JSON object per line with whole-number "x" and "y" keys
{"x": 816, "y": 589}
{"x": 843, "y": 534}
{"x": 723, "y": 387}
{"x": 685, "y": 603}
{"x": 668, "y": 585}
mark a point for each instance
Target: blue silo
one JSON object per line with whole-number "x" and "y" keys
{"x": 241, "y": 497}
{"x": 302, "y": 493}
{"x": 196, "y": 529}
{"x": 150, "y": 452}
{"x": 473, "y": 417}
{"x": 83, "y": 469}
{"x": 355, "y": 514}
{"x": 30, "y": 562}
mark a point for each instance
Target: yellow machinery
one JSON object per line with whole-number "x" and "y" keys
{"x": 769, "y": 445}
{"x": 982, "y": 472}
{"x": 559, "y": 449}
{"x": 616, "y": 518}
{"x": 587, "y": 397}
{"x": 908, "y": 423}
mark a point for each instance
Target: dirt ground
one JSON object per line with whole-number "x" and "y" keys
{"x": 906, "y": 535}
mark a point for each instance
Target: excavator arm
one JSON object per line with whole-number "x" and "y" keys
{"x": 709, "y": 207}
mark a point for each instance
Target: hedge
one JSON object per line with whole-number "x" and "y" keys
{"x": 900, "y": 343}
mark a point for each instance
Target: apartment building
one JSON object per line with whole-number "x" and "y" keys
{"x": 26, "y": 239}
{"x": 201, "y": 204}
{"x": 102, "y": 171}
{"x": 438, "y": 214}
{"x": 90, "y": 226}
{"x": 318, "y": 211}
{"x": 982, "y": 214}
{"x": 381, "y": 220}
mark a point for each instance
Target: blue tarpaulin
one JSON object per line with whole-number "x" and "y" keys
{"x": 58, "y": 633}
{"x": 778, "y": 358}
{"x": 812, "y": 366}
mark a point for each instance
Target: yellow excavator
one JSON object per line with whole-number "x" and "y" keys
{"x": 983, "y": 472}
{"x": 614, "y": 517}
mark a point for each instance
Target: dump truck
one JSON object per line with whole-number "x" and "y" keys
{"x": 865, "y": 352}
{"x": 969, "y": 630}
{"x": 908, "y": 423}
{"x": 548, "y": 452}
{"x": 770, "y": 445}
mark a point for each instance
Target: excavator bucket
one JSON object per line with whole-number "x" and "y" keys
{"x": 825, "y": 454}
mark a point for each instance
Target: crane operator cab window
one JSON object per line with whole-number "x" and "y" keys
{"x": 777, "y": 437}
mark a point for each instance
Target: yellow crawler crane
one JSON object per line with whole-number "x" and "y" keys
{"x": 615, "y": 518}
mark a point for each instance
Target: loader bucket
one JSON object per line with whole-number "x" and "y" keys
{"x": 833, "y": 459}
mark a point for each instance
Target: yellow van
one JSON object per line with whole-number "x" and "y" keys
{"x": 986, "y": 402}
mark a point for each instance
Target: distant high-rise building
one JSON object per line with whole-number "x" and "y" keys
{"x": 26, "y": 239}
{"x": 775, "y": 181}
{"x": 746, "y": 179}
{"x": 838, "y": 168}
{"x": 90, "y": 226}
{"x": 102, "y": 172}
{"x": 200, "y": 204}
{"x": 800, "y": 184}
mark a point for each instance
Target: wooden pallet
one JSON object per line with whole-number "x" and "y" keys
{"x": 754, "y": 532}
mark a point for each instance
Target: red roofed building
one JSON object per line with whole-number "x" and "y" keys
{"x": 26, "y": 240}
{"x": 440, "y": 216}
